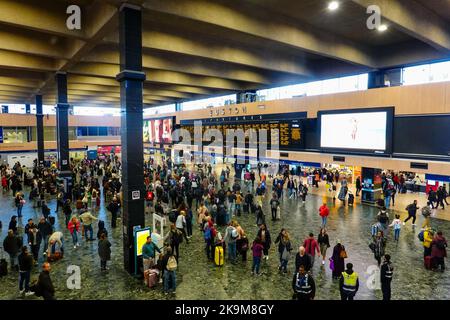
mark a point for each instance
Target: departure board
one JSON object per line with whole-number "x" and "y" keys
{"x": 288, "y": 133}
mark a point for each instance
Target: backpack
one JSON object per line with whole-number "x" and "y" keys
{"x": 207, "y": 234}
{"x": 421, "y": 236}
{"x": 173, "y": 216}
{"x": 172, "y": 264}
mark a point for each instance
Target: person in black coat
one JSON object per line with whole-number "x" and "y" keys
{"x": 114, "y": 207}
{"x": 45, "y": 285}
{"x": 303, "y": 259}
{"x": 264, "y": 235}
{"x": 25, "y": 265}
{"x": 13, "y": 224}
{"x": 45, "y": 229}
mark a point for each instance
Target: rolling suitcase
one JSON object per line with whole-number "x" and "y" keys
{"x": 151, "y": 278}
{"x": 218, "y": 256}
{"x": 351, "y": 199}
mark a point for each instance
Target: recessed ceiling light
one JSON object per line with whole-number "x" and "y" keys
{"x": 333, "y": 5}
{"x": 382, "y": 28}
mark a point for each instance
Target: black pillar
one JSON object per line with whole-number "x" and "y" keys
{"x": 62, "y": 124}
{"x": 376, "y": 79}
{"x": 40, "y": 130}
{"x": 27, "y": 108}
{"x": 131, "y": 78}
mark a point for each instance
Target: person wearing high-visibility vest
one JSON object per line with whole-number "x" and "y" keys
{"x": 387, "y": 270}
{"x": 349, "y": 283}
{"x": 303, "y": 285}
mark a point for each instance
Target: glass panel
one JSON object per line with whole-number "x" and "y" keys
{"x": 102, "y": 131}
{"x": 92, "y": 131}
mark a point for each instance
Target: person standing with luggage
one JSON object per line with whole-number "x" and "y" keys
{"x": 387, "y": 270}
{"x": 349, "y": 283}
{"x": 149, "y": 250}
{"x": 104, "y": 251}
{"x": 25, "y": 265}
{"x": 303, "y": 285}
{"x": 412, "y": 211}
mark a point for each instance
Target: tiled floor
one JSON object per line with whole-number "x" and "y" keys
{"x": 199, "y": 279}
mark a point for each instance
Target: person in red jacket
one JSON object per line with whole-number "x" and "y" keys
{"x": 74, "y": 228}
{"x": 324, "y": 212}
{"x": 311, "y": 247}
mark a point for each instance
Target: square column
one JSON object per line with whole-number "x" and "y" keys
{"x": 62, "y": 124}
{"x": 131, "y": 78}
{"x": 40, "y": 130}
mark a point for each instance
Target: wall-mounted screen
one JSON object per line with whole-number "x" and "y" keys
{"x": 158, "y": 130}
{"x": 365, "y": 131}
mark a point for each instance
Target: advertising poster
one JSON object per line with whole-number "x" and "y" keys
{"x": 141, "y": 239}
{"x": 365, "y": 130}
{"x": 158, "y": 131}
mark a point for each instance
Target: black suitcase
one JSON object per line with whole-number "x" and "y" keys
{"x": 351, "y": 199}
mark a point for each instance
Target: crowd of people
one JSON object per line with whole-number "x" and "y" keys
{"x": 196, "y": 198}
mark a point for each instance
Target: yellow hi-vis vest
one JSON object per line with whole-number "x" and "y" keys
{"x": 350, "y": 281}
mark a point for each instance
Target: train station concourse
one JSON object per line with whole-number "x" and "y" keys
{"x": 212, "y": 150}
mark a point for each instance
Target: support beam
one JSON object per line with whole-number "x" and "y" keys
{"x": 62, "y": 124}
{"x": 131, "y": 80}
{"x": 248, "y": 20}
{"x": 415, "y": 20}
{"x": 40, "y": 130}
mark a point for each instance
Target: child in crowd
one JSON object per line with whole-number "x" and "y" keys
{"x": 397, "y": 224}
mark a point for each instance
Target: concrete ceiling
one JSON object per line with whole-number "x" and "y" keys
{"x": 199, "y": 48}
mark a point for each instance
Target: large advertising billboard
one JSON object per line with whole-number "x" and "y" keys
{"x": 366, "y": 131}
{"x": 158, "y": 130}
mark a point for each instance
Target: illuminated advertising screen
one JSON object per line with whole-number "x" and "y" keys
{"x": 141, "y": 239}
{"x": 158, "y": 130}
{"x": 369, "y": 131}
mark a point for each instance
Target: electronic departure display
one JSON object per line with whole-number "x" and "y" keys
{"x": 288, "y": 133}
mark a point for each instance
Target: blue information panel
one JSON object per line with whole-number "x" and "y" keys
{"x": 1, "y": 134}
